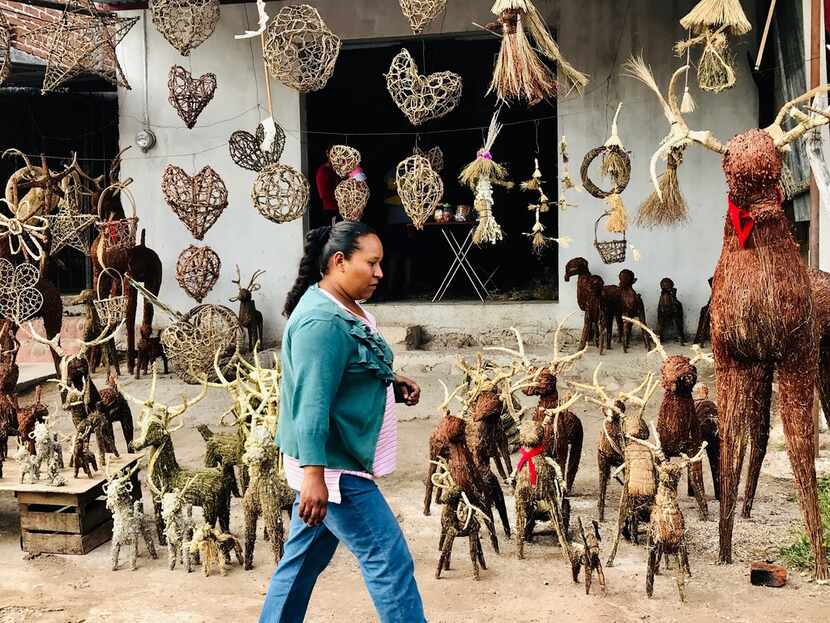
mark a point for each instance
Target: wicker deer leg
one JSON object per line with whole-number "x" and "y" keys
{"x": 653, "y": 562}
{"x": 694, "y": 474}
{"x": 522, "y": 521}
{"x": 759, "y": 438}
{"x": 446, "y": 551}
{"x": 824, "y": 377}
{"x": 624, "y": 511}
{"x": 680, "y": 577}
{"x": 474, "y": 557}
{"x": 587, "y": 326}
{"x": 604, "y": 464}
{"x": 574, "y": 455}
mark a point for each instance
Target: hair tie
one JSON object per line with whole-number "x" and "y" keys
{"x": 484, "y": 153}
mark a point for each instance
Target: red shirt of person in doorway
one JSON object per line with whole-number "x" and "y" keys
{"x": 327, "y": 180}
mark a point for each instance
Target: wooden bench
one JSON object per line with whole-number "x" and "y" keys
{"x": 72, "y": 519}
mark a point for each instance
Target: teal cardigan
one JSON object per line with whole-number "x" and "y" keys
{"x": 335, "y": 374}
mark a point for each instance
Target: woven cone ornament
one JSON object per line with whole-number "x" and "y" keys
{"x": 419, "y": 187}
{"x": 198, "y": 201}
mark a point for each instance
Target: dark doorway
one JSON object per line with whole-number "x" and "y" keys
{"x": 355, "y": 108}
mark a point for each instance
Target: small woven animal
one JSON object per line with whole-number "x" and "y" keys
{"x": 214, "y": 549}
{"x": 128, "y": 524}
{"x": 177, "y": 514}
{"x": 250, "y": 318}
{"x": 149, "y": 349}
{"x": 82, "y": 457}
{"x": 669, "y": 311}
{"x": 589, "y": 557}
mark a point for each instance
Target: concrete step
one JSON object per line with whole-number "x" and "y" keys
{"x": 402, "y": 338}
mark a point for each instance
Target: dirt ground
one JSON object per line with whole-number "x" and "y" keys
{"x": 49, "y": 588}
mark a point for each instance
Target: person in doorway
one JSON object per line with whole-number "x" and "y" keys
{"x": 326, "y": 180}
{"x": 338, "y": 430}
{"x": 398, "y": 237}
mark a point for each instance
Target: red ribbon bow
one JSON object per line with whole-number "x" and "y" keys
{"x": 527, "y": 458}
{"x": 742, "y": 221}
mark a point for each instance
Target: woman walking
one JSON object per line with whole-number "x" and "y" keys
{"x": 338, "y": 430}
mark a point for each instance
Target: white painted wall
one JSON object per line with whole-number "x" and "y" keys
{"x": 240, "y": 235}
{"x": 596, "y": 35}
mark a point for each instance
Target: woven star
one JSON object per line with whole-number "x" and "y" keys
{"x": 83, "y": 41}
{"x": 67, "y": 227}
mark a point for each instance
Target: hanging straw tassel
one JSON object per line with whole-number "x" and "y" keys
{"x": 672, "y": 209}
{"x": 484, "y": 165}
{"x": 537, "y": 234}
{"x": 714, "y": 71}
{"x": 488, "y": 230}
{"x": 687, "y": 104}
{"x": 617, "y": 216}
{"x": 613, "y": 164}
{"x": 715, "y": 13}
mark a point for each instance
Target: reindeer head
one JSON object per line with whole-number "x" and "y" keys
{"x": 86, "y": 297}
{"x": 245, "y": 293}
{"x": 531, "y": 434}
{"x": 575, "y": 267}
{"x": 700, "y": 391}
{"x": 752, "y": 165}
{"x": 119, "y": 488}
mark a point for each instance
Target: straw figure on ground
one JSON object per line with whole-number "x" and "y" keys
{"x": 608, "y": 303}
{"x": 589, "y": 558}
{"x": 631, "y": 305}
{"x": 213, "y": 548}
{"x": 669, "y": 311}
{"x": 128, "y": 521}
{"x": 149, "y": 349}
{"x": 177, "y": 514}
{"x": 439, "y": 448}
{"x": 250, "y": 318}
{"x": 762, "y": 306}
{"x": 704, "y": 333}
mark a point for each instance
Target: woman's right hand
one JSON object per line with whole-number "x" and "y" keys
{"x": 314, "y": 495}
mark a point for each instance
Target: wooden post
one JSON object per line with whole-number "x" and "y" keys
{"x": 815, "y": 79}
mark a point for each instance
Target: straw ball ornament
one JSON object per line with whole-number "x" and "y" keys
{"x": 198, "y": 201}
{"x": 352, "y": 196}
{"x": 5, "y": 48}
{"x": 422, "y": 98}
{"x": 300, "y": 51}
{"x": 280, "y": 193}
{"x": 419, "y": 187}
{"x": 344, "y": 159}
{"x": 19, "y": 299}
{"x": 715, "y": 70}
{"x": 255, "y": 151}
{"x": 186, "y": 24}
{"x": 421, "y": 12}
{"x": 197, "y": 271}
{"x": 191, "y": 343}
{"x": 189, "y": 96}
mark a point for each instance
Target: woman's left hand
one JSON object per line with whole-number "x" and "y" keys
{"x": 410, "y": 391}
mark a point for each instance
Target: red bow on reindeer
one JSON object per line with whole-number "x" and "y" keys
{"x": 527, "y": 458}
{"x": 742, "y": 221}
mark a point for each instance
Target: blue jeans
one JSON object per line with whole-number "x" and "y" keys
{"x": 365, "y": 523}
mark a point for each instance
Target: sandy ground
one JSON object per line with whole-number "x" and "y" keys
{"x": 51, "y": 588}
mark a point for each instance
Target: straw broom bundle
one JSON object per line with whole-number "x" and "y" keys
{"x": 672, "y": 209}
{"x": 709, "y": 13}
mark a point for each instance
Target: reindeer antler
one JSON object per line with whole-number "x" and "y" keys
{"x": 520, "y": 353}
{"x": 252, "y": 285}
{"x": 238, "y": 280}
{"x": 805, "y": 123}
{"x": 656, "y": 448}
{"x": 658, "y": 346}
{"x": 559, "y": 364}
{"x": 443, "y": 408}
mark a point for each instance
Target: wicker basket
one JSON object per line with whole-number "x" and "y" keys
{"x": 611, "y": 251}
{"x": 111, "y": 310}
{"x": 118, "y": 234}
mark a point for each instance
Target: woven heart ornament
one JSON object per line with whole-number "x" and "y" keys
{"x": 249, "y": 152}
{"x": 422, "y": 98}
{"x": 198, "y": 201}
{"x": 186, "y": 24}
{"x": 19, "y": 300}
{"x": 197, "y": 271}
{"x": 421, "y": 12}
{"x": 189, "y": 96}
{"x": 419, "y": 187}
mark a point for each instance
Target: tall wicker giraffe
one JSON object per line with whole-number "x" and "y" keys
{"x": 762, "y": 303}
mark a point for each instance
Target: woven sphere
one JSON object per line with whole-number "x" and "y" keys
{"x": 280, "y": 193}
{"x": 344, "y": 159}
{"x": 198, "y": 201}
{"x": 186, "y": 24}
{"x": 197, "y": 271}
{"x": 419, "y": 187}
{"x": 300, "y": 51}
{"x": 422, "y": 98}
{"x": 352, "y": 195}
{"x": 191, "y": 344}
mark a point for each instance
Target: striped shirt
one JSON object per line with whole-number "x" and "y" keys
{"x": 386, "y": 451}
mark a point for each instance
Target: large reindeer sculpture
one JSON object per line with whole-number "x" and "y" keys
{"x": 762, "y": 303}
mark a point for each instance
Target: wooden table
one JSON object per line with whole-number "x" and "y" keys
{"x": 72, "y": 519}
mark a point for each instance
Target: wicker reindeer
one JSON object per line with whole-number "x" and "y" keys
{"x": 600, "y": 302}
{"x": 82, "y": 458}
{"x": 762, "y": 304}
{"x": 540, "y": 486}
{"x": 210, "y": 489}
{"x": 439, "y": 448}
{"x": 669, "y": 310}
{"x": 177, "y": 514}
{"x": 128, "y": 521}
{"x": 459, "y": 519}
{"x": 98, "y": 354}
{"x": 589, "y": 557}
{"x": 250, "y": 318}
{"x": 631, "y": 305}
{"x": 116, "y": 408}
{"x": 29, "y": 417}
{"x": 149, "y": 349}
{"x": 213, "y": 548}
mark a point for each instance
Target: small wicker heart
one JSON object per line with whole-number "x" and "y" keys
{"x": 189, "y": 96}
{"x": 19, "y": 300}
{"x": 421, "y": 98}
{"x": 197, "y": 271}
{"x": 247, "y": 150}
{"x": 198, "y": 201}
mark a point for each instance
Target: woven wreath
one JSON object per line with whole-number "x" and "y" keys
{"x": 421, "y": 12}
{"x": 190, "y": 96}
{"x": 280, "y": 193}
{"x": 419, "y": 187}
{"x": 421, "y": 98}
{"x": 198, "y": 201}
{"x": 197, "y": 271}
{"x": 191, "y": 344}
{"x": 248, "y": 150}
{"x": 300, "y": 51}
{"x": 19, "y": 299}
{"x": 620, "y": 179}
{"x": 186, "y": 24}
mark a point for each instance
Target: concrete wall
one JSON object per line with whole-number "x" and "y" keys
{"x": 596, "y": 35}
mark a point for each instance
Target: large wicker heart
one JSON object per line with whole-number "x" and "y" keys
{"x": 419, "y": 187}
{"x": 198, "y": 201}
{"x": 189, "y": 96}
{"x": 186, "y": 24}
{"x": 421, "y": 98}
{"x": 248, "y": 151}
{"x": 197, "y": 271}
{"x": 19, "y": 300}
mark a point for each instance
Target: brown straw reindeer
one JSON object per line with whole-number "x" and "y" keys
{"x": 762, "y": 304}
{"x": 631, "y": 305}
{"x": 439, "y": 447}
{"x": 606, "y": 305}
{"x": 667, "y": 528}
{"x": 669, "y": 311}
{"x": 250, "y": 318}
{"x": 589, "y": 557}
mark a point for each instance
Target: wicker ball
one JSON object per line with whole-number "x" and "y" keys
{"x": 419, "y": 187}
{"x": 191, "y": 344}
{"x": 186, "y": 24}
{"x": 300, "y": 51}
{"x": 280, "y": 193}
{"x": 344, "y": 159}
{"x": 197, "y": 271}
{"x": 352, "y": 195}
{"x": 198, "y": 201}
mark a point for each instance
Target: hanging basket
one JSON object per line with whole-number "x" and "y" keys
{"x": 113, "y": 309}
{"x": 611, "y": 251}
{"x": 117, "y": 234}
